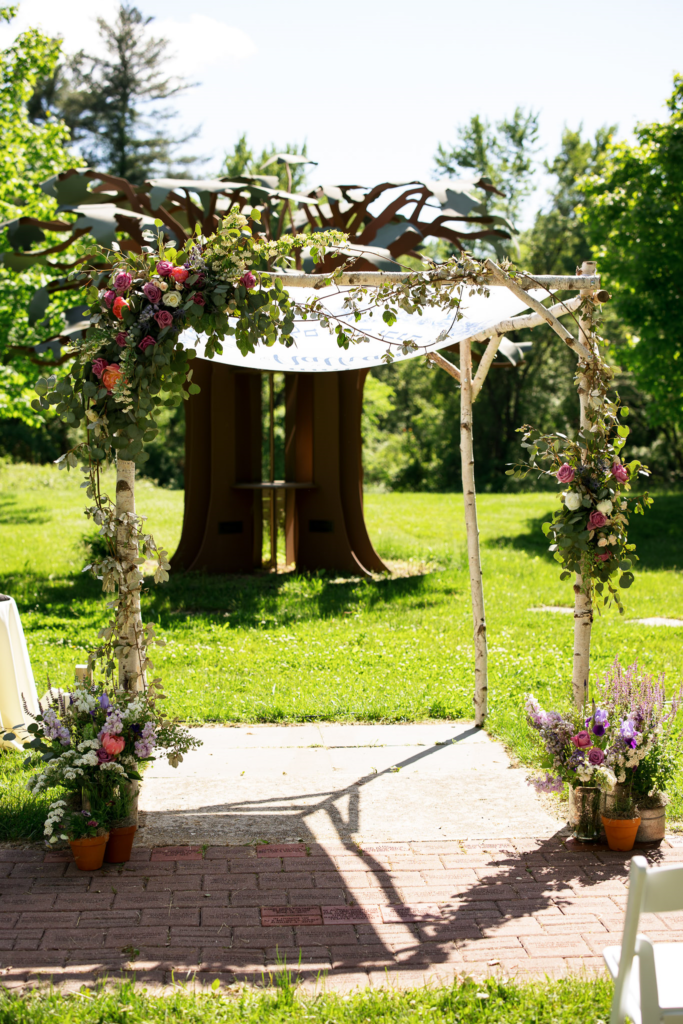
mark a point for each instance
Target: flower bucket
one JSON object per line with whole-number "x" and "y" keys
{"x": 120, "y": 844}
{"x": 584, "y": 812}
{"x": 89, "y": 853}
{"x": 621, "y": 832}
{"x": 652, "y": 825}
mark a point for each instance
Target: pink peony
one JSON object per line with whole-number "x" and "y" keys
{"x": 582, "y": 740}
{"x": 164, "y": 318}
{"x": 596, "y": 756}
{"x": 121, "y": 339}
{"x": 109, "y": 297}
{"x": 123, "y": 281}
{"x": 113, "y": 744}
{"x": 118, "y": 307}
{"x": 111, "y": 376}
{"x": 164, "y": 268}
{"x": 620, "y": 472}
{"x": 152, "y": 292}
{"x": 248, "y": 279}
{"x": 596, "y": 520}
{"x": 99, "y": 366}
{"x": 146, "y": 342}
{"x": 566, "y": 473}
{"x": 199, "y": 299}
{"x": 603, "y": 556}
{"x": 180, "y": 274}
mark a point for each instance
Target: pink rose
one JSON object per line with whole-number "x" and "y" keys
{"x": 180, "y": 274}
{"x": 603, "y": 556}
{"x": 596, "y": 756}
{"x": 113, "y": 744}
{"x": 163, "y": 318}
{"x": 582, "y": 740}
{"x": 146, "y": 342}
{"x": 248, "y": 279}
{"x": 620, "y": 472}
{"x": 198, "y": 299}
{"x": 123, "y": 281}
{"x": 111, "y": 376}
{"x": 164, "y": 268}
{"x": 99, "y": 366}
{"x": 152, "y": 292}
{"x": 596, "y": 520}
{"x": 121, "y": 339}
{"x": 109, "y": 297}
{"x": 566, "y": 473}
{"x": 118, "y": 307}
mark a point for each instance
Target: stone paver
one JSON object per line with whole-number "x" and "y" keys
{"x": 340, "y": 918}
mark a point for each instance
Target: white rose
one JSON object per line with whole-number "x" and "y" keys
{"x": 172, "y": 299}
{"x": 572, "y": 501}
{"x": 605, "y": 507}
{"x": 602, "y": 542}
{"x": 612, "y": 539}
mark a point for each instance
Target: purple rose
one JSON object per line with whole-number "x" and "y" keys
{"x": 121, "y": 339}
{"x": 109, "y": 297}
{"x": 152, "y": 292}
{"x": 201, "y": 278}
{"x": 146, "y": 342}
{"x": 596, "y": 520}
{"x": 99, "y": 366}
{"x": 103, "y": 757}
{"x": 164, "y": 268}
{"x": 198, "y": 299}
{"x": 596, "y": 756}
{"x": 248, "y": 279}
{"x": 163, "y": 318}
{"x": 123, "y": 281}
{"x": 620, "y": 472}
{"x": 582, "y": 739}
{"x": 602, "y": 557}
{"x": 566, "y": 473}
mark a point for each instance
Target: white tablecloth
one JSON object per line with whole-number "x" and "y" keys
{"x": 16, "y": 675}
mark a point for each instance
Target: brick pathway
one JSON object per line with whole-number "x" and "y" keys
{"x": 397, "y": 914}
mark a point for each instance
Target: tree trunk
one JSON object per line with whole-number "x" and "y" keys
{"x": 583, "y": 603}
{"x": 473, "y": 557}
{"x": 130, "y": 636}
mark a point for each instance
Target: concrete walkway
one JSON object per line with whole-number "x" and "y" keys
{"x": 330, "y": 782}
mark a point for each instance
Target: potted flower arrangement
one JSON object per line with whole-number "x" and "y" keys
{"x": 650, "y": 782}
{"x": 85, "y": 833}
{"x": 95, "y": 745}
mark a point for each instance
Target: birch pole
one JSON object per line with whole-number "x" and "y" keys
{"x": 130, "y": 632}
{"x": 473, "y": 556}
{"x": 583, "y": 601}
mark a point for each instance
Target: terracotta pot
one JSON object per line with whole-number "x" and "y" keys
{"x": 89, "y": 853}
{"x": 621, "y": 832}
{"x": 120, "y": 844}
{"x": 652, "y": 824}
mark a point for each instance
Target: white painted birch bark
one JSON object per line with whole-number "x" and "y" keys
{"x": 583, "y": 601}
{"x": 130, "y": 634}
{"x": 473, "y": 556}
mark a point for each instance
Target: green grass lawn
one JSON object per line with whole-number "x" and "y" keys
{"x": 469, "y": 1002}
{"x": 293, "y": 648}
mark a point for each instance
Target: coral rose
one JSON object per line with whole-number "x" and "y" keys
{"x": 113, "y": 744}
{"x": 199, "y": 299}
{"x": 620, "y": 472}
{"x": 180, "y": 275}
{"x": 111, "y": 376}
{"x": 99, "y": 366}
{"x": 121, "y": 339}
{"x": 146, "y": 342}
{"x": 123, "y": 281}
{"x": 566, "y": 473}
{"x": 597, "y": 519}
{"x": 596, "y": 756}
{"x": 164, "y": 268}
{"x": 164, "y": 318}
{"x": 248, "y": 279}
{"x": 119, "y": 305}
{"x": 582, "y": 740}
{"x": 152, "y": 292}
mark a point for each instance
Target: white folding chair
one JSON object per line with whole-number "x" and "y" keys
{"x": 650, "y": 992}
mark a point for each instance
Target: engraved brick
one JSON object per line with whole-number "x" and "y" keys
{"x": 281, "y": 850}
{"x": 229, "y": 916}
{"x": 159, "y": 917}
{"x": 283, "y": 915}
{"x": 51, "y": 919}
{"x": 340, "y": 935}
{"x": 215, "y": 937}
{"x": 351, "y": 915}
{"x": 261, "y": 938}
{"x": 285, "y": 880}
{"x": 385, "y": 848}
{"x": 175, "y": 853}
{"x": 407, "y": 912}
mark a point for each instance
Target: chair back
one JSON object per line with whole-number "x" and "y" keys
{"x": 663, "y": 889}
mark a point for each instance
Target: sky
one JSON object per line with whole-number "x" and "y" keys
{"x": 372, "y": 86}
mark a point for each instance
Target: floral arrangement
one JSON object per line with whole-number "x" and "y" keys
{"x": 72, "y": 824}
{"x": 629, "y": 721}
{"x": 92, "y": 744}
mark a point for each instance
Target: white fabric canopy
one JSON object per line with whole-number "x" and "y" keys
{"x": 316, "y": 350}
{"x": 16, "y": 676}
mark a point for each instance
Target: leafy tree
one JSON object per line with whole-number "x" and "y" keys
{"x": 102, "y": 99}
{"x": 243, "y": 161}
{"x": 633, "y": 214}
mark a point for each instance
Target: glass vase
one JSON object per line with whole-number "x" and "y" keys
{"x": 584, "y": 813}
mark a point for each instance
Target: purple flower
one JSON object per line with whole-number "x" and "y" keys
{"x": 596, "y": 756}
{"x": 600, "y": 722}
{"x": 596, "y": 520}
{"x": 199, "y": 299}
{"x": 146, "y": 342}
{"x": 628, "y": 733}
{"x": 581, "y": 740}
{"x": 163, "y": 318}
{"x": 123, "y": 281}
{"x": 620, "y": 472}
{"x": 121, "y": 339}
{"x": 103, "y": 757}
{"x": 99, "y": 366}
{"x": 104, "y": 701}
{"x": 152, "y": 292}
{"x": 109, "y": 297}
{"x": 164, "y": 268}
{"x": 565, "y": 473}
{"x": 248, "y": 279}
